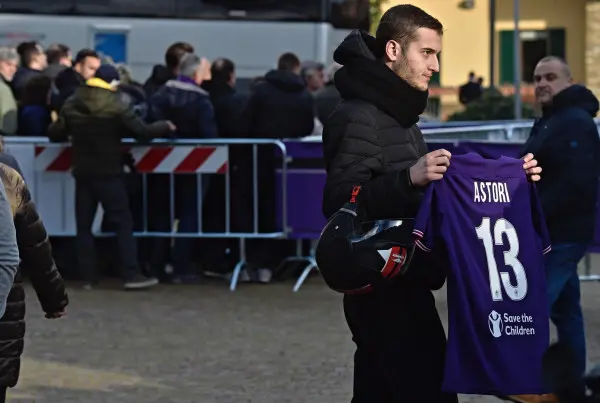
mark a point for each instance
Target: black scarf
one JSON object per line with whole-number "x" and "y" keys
{"x": 366, "y": 77}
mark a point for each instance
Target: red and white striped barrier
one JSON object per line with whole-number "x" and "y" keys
{"x": 155, "y": 159}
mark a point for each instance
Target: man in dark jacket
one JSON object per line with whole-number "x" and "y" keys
{"x": 96, "y": 120}
{"x": 279, "y": 106}
{"x": 372, "y": 139}
{"x": 59, "y": 58}
{"x": 86, "y": 63}
{"x": 163, "y": 73}
{"x": 565, "y": 142}
{"x": 37, "y": 262}
{"x": 227, "y": 102}
{"x": 33, "y": 63}
{"x": 229, "y": 107}
{"x": 184, "y": 102}
{"x": 470, "y": 91}
{"x": 188, "y": 106}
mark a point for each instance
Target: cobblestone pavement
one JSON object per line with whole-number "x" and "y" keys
{"x": 203, "y": 344}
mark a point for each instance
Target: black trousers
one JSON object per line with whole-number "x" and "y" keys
{"x": 111, "y": 193}
{"x": 400, "y": 346}
{"x": 3, "y": 394}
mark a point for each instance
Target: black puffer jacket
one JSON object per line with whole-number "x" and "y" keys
{"x": 371, "y": 138}
{"x": 279, "y": 106}
{"x": 37, "y": 262}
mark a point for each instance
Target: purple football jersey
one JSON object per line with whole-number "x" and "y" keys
{"x": 484, "y": 221}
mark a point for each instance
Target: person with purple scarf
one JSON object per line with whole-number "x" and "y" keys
{"x": 189, "y": 107}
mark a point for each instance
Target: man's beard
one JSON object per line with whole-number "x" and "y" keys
{"x": 403, "y": 70}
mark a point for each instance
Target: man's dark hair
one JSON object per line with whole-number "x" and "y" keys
{"x": 56, "y": 52}
{"x": 36, "y": 90}
{"x": 400, "y": 24}
{"x": 175, "y": 52}
{"x": 27, "y": 51}
{"x": 288, "y": 62}
{"x": 84, "y": 54}
{"x": 222, "y": 69}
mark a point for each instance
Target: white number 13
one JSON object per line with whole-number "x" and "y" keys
{"x": 503, "y": 227}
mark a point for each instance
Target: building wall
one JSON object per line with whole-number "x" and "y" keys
{"x": 592, "y": 56}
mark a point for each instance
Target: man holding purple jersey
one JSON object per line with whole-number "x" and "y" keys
{"x": 372, "y": 138}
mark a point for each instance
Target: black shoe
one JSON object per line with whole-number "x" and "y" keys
{"x": 140, "y": 282}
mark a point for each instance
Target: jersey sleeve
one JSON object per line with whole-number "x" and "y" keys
{"x": 539, "y": 221}
{"x": 426, "y": 228}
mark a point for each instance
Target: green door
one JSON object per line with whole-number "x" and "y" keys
{"x": 506, "y": 57}
{"x": 557, "y": 45}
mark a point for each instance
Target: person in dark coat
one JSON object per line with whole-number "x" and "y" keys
{"x": 95, "y": 119}
{"x": 280, "y": 106}
{"x": 34, "y": 113}
{"x": 59, "y": 58}
{"x": 565, "y": 142}
{"x": 229, "y": 106}
{"x": 37, "y": 262}
{"x": 471, "y": 90}
{"x": 188, "y": 106}
{"x": 372, "y": 139}
{"x": 86, "y": 62}
{"x": 33, "y": 63}
{"x": 169, "y": 71}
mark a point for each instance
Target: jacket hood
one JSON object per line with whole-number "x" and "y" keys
{"x": 576, "y": 96}
{"x": 285, "y": 81}
{"x": 95, "y": 96}
{"x": 365, "y": 76}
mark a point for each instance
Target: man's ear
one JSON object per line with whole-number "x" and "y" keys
{"x": 392, "y": 50}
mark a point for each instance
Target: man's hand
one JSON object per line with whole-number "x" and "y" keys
{"x": 531, "y": 168}
{"x": 172, "y": 127}
{"x": 56, "y": 315}
{"x": 430, "y": 167}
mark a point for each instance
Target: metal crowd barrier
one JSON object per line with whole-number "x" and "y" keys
{"x": 46, "y": 168}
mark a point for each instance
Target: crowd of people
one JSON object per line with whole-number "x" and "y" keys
{"x": 51, "y": 93}
{"x": 36, "y": 82}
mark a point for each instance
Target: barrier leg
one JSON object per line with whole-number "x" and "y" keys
{"x": 235, "y": 276}
{"x": 281, "y": 268}
{"x": 312, "y": 265}
{"x": 305, "y": 273}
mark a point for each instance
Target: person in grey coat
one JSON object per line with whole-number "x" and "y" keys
{"x": 9, "y": 252}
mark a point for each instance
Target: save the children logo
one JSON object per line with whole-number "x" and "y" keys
{"x": 495, "y": 324}
{"x": 510, "y": 325}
